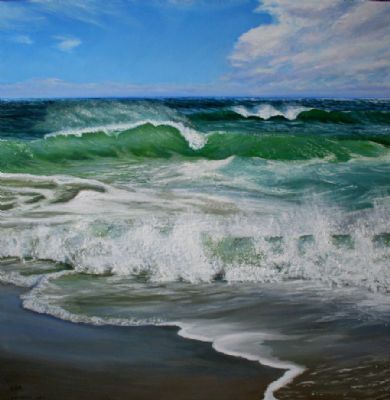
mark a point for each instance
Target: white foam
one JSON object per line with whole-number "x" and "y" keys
{"x": 182, "y": 235}
{"x": 56, "y": 179}
{"x": 17, "y": 279}
{"x": 247, "y": 345}
{"x": 183, "y": 247}
{"x": 195, "y": 139}
{"x": 34, "y": 192}
{"x": 267, "y": 111}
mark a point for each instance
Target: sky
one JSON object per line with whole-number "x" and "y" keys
{"x": 93, "y": 48}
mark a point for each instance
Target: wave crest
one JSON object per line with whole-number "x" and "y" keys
{"x": 195, "y": 139}
{"x": 312, "y": 245}
{"x": 267, "y": 111}
{"x": 164, "y": 139}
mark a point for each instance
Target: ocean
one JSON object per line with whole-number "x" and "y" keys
{"x": 261, "y": 226}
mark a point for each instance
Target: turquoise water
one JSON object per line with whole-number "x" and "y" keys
{"x": 261, "y": 226}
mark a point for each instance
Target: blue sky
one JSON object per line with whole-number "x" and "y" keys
{"x": 194, "y": 47}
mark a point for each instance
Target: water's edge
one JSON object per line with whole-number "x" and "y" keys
{"x": 184, "y": 331}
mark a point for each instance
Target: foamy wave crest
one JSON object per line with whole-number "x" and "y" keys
{"x": 267, "y": 111}
{"x": 194, "y": 139}
{"x": 310, "y": 245}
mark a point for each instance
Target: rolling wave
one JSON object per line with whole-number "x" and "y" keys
{"x": 150, "y": 139}
{"x": 195, "y": 139}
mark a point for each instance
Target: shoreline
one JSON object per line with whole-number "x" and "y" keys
{"x": 224, "y": 345}
{"x": 45, "y": 358}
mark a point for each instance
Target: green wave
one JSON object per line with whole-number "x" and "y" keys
{"x": 290, "y": 147}
{"x": 148, "y": 141}
{"x": 338, "y": 117}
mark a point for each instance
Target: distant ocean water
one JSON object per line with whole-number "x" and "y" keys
{"x": 262, "y": 226}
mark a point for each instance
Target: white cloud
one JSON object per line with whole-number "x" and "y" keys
{"x": 16, "y": 14}
{"x": 23, "y": 39}
{"x": 88, "y": 11}
{"x": 316, "y": 46}
{"x": 197, "y": 4}
{"x": 67, "y": 43}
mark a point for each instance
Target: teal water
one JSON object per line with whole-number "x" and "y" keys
{"x": 261, "y": 226}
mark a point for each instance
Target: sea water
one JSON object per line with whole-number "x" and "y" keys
{"x": 260, "y": 226}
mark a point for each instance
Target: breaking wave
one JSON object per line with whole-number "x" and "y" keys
{"x": 338, "y": 248}
{"x": 151, "y": 139}
{"x": 267, "y": 111}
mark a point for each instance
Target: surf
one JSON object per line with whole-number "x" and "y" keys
{"x": 164, "y": 140}
{"x": 243, "y": 222}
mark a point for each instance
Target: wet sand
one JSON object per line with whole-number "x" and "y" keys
{"x": 43, "y": 358}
